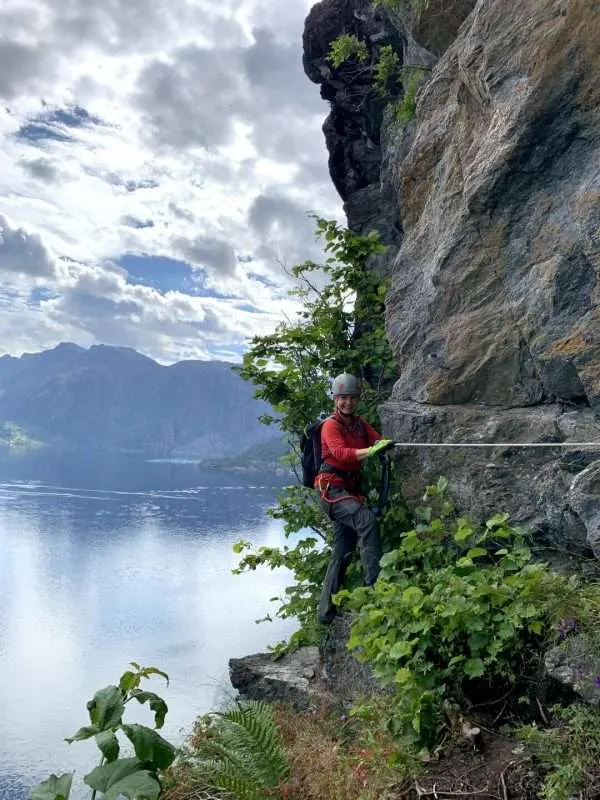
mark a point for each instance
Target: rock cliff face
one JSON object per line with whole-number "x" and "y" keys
{"x": 490, "y": 200}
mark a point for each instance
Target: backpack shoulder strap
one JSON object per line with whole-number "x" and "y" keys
{"x": 363, "y": 429}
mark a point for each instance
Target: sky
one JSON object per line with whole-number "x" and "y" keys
{"x": 159, "y": 163}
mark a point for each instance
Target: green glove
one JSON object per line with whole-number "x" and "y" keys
{"x": 380, "y": 447}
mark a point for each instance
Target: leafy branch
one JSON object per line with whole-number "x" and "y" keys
{"x": 340, "y": 327}
{"x": 116, "y": 777}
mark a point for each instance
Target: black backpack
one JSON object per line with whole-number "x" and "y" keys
{"x": 310, "y": 452}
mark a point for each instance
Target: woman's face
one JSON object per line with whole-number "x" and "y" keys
{"x": 346, "y": 403}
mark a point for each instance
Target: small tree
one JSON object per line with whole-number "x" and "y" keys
{"x": 339, "y": 328}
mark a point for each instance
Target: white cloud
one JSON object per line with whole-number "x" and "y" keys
{"x": 182, "y": 130}
{"x": 23, "y": 253}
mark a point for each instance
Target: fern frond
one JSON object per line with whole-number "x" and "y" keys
{"x": 242, "y": 755}
{"x": 224, "y": 775}
{"x": 249, "y": 731}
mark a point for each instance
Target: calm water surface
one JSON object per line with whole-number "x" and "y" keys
{"x": 105, "y": 561}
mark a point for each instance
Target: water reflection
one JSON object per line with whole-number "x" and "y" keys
{"x": 124, "y": 561}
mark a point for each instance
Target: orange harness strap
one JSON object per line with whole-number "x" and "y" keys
{"x": 324, "y": 484}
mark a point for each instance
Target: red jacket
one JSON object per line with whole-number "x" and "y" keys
{"x": 341, "y": 437}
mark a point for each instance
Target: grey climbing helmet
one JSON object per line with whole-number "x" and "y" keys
{"x": 345, "y": 384}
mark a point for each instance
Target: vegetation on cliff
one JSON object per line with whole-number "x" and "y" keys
{"x": 339, "y": 329}
{"x": 462, "y": 613}
{"x": 394, "y": 82}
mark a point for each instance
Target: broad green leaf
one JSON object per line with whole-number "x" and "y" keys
{"x": 496, "y": 521}
{"x": 475, "y": 552}
{"x": 536, "y": 627}
{"x": 464, "y": 529}
{"x": 108, "y": 745}
{"x": 150, "y": 745}
{"x": 474, "y": 667}
{"x": 412, "y": 595}
{"x": 106, "y": 708}
{"x": 464, "y": 562}
{"x": 83, "y": 733}
{"x": 126, "y": 776}
{"x": 156, "y": 703}
{"x": 56, "y": 787}
{"x": 128, "y": 680}
{"x": 400, "y": 650}
{"x": 390, "y": 558}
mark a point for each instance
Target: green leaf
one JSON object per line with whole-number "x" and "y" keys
{"x": 83, "y": 733}
{"x": 442, "y": 485}
{"x": 106, "y": 708}
{"x": 150, "y": 746}
{"x": 400, "y": 650}
{"x": 146, "y": 672}
{"x": 412, "y": 595}
{"x": 128, "y": 680}
{"x": 475, "y": 552}
{"x": 156, "y": 703}
{"x": 56, "y": 787}
{"x": 474, "y": 667}
{"x": 496, "y": 521}
{"x": 126, "y": 776}
{"x": 536, "y": 627}
{"x": 402, "y": 676}
{"x": 390, "y": 558}
{"x": 108, "y": 744}
{"x": 464, "y": 529}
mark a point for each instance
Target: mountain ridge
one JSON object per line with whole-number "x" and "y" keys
{"x": 114, "y": 398}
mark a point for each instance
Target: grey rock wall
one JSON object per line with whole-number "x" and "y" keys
{"x": 490, "y": 200}
{"x": 493, "y": 313}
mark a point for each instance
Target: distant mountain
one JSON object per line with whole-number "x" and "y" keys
{"x": 113, "y": 398}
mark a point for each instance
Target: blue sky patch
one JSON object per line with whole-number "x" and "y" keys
{"x": 55, "y": 124}
{"x": 166, "y": 275}
{"x": 39, "y": 294}
{"x": 261, "y": 279}
{"x": 39, "y": 131}
{"x": 72, "y": 117}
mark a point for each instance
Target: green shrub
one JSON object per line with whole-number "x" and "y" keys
{"x": 406, "y": 109}
{"x": 454, "y": 602}
{"x": 345, "y": 47}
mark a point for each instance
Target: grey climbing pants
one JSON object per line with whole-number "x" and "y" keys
{"x": 352, "y": 523}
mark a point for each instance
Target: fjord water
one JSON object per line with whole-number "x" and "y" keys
{"x": 107, "y": 560}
